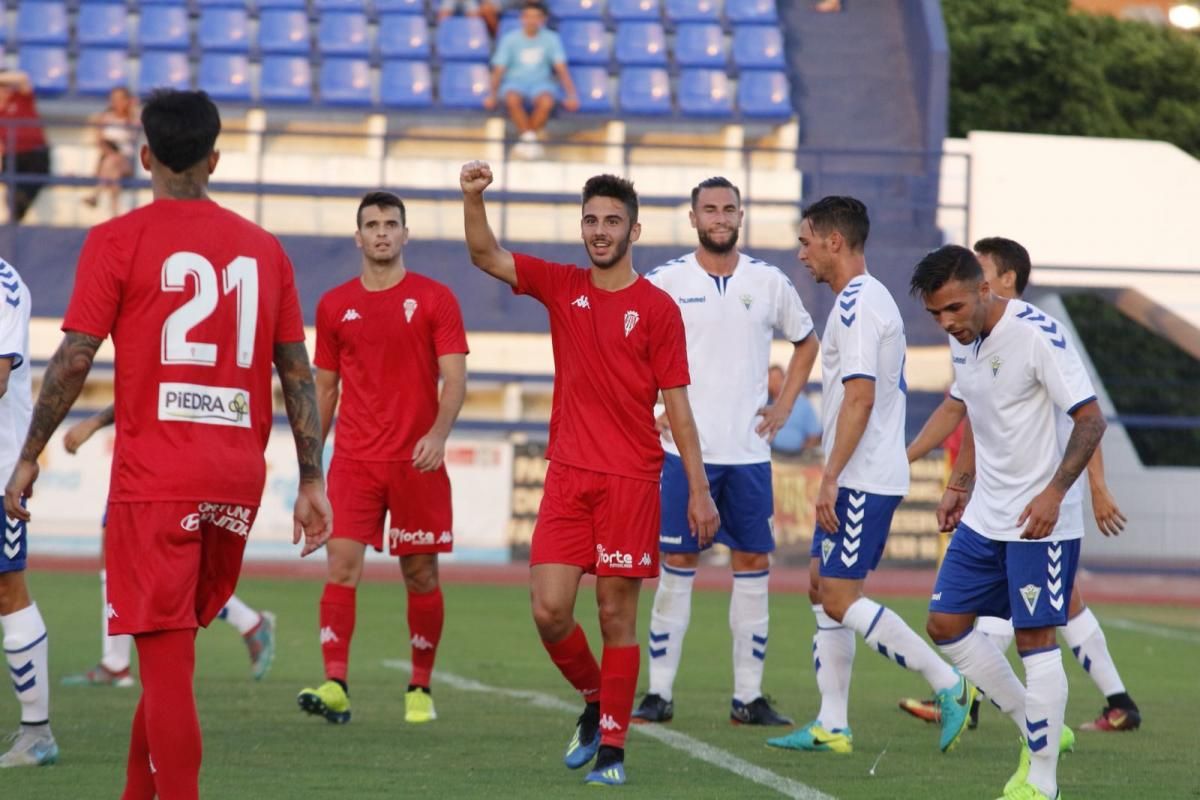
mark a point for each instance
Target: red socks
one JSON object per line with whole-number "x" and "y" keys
{"x": 337, "y": 626}
{"x": 575, "y": 661}
{"x": 618, "y": 685}
{"x": 426, "y": 613}
{"x": 167, "y": 750}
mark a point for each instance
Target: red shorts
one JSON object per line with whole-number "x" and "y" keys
{"x": 606, "y": 524}
{"x": 362, "y": 492}
{"x": 172, "y": 565}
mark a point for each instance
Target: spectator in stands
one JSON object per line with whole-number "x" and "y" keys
{"x": 802, "y": 431}
{"x": 524, "y": 68}
{"x": 116, "y": 135}
{"x": 488, "y": 10}
{"x": 22, "y": 140}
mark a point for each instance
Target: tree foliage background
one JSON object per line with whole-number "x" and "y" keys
{"x": 1035, "y": 66}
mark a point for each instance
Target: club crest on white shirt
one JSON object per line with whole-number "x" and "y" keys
{"x": 631, "y": 319}
{"x": 410, "y": 308}
{"x": 747, "y": 301}
{"x": 1030, "y": 594}
{"x": 996, "y": 364}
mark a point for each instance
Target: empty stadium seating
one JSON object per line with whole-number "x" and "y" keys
{"x": 286, "y": 79}
{"x": 576, "y": 9}
{"x": 758, "y": 47}
{"x": 42, "y": 23}
{"x": 641, "y": 44}
{"x": 463, "y": 85}
{"x": 704, "y": 93}
{"x": 224, "y": 30}
{"x": 283, "y": 31}
{"x": 47, "y": 68}
{"x": 700, "y": 44}
{"x": 585, "y": 41}
{"x": 403, "y": 36}
{"x": 592, "y": 84}
{"x": 692, "y": 11}
{"x": 103, "y": 25}
{"x": 406, "y": 84}
{"x": 629, "y": 10}
{"x": 100, "y": 70}
{"x": 164, "y": 69}
{"x": 346, "y": 82}
{"x": 764, "y": 94}
{"x": 753, "y": 11}
{"x": 343, "y": 33}
{"x": 463, "y": 39}
{"x": 225, "y": 76}
{"x": 163, "y": 27}
{"x": 645, "y": 90}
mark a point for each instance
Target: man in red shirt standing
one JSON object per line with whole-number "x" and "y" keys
{"x": 618, "y": 341}
{"x": 387, "y": 335}
{"x": 22, "y": 143}
{"x": 199, "y": 303}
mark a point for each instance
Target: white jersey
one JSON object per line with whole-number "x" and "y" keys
{"x": 16, "y": 406}
{"x": 729, "y": 322}
{"x": 864, "y": 338}
{"x": 1016, "y": 381}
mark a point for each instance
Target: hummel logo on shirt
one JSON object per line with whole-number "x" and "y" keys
{"x": 351, "y": 315}
{"x": 581, "y": 301}
{"x": 328, "y": 636}
{"x": 421, "y": 643}
{"x": 609, "y": 724}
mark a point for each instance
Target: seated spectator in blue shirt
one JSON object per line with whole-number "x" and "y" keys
{"x": 524, "y": 67}
{"x": 802, "y": 431}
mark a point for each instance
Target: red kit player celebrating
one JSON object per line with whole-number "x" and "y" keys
{"x": 199, "y": 303}
{"x": 618, "y": 341}
{"x": 386, "y": 336}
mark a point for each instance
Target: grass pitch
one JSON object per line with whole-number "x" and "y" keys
{"x": 259, "y": 746}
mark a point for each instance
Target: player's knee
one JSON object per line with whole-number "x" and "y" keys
{"x": 681, "y": 560}
{"x": 617, "y": 624}
{"x": 941, "y": 629}
{"x": 835, "y": 604}
{"x": 553, "y": 622}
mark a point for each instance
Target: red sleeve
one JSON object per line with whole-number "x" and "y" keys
{"x": 668, "y": 346}
{"x": 327, "y": 345}
{"x": 289, "y": 327}
{"x": 541, "y": 280}
{"x": 96, "y": 296}
{"x": 449, "y": 335}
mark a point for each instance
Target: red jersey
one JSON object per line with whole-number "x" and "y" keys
{"x": 385, "y": 347}
{"x": 21, "y": 107}
{"x": 613, "y": 352}
{"x": 195, "y": 298}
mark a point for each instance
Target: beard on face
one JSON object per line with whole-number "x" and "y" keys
{"x": 713, "y": 246}
{"x": 616, "y": 251}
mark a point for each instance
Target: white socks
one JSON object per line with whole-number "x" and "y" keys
{"x": 998, "y": 629}
{"x": 833, "y": 660}
{"x": 1045, "y": 706}
{"x": 977, "y": 657}
{"x": 27, "y": 650}
{"x": 1087, "y": 642}
{"x": 240, "y": 615}
{"x": 668, "y": 624}
{"x": 883, "y": 630}
{"x": 114, "y": 650}
{"x": 748, "y": 618}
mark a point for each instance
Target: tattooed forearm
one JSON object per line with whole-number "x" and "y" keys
{"x": 300, "y": 397}
{"x": 1085, "y": 437}
{"x": 60, "y": 387}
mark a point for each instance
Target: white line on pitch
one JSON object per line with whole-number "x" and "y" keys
{"x": 674, "y": 739}
{"x": 1153, "y": 630}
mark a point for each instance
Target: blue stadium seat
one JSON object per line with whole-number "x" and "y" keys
{"x": 758, "y": 47}
{"x": 740, "y": 12}
{"x": 292, "y": 4}
{"x": 692, "y": 11}
{"x": 342, "y": 33}
{"x": 463, "y": 85}
{"x": 700, "y": 44}
{"x": 463, "y": 39}
{"x": 400, "y": 6}
{"x": 42, "y": 23}
{"x": 223, "y": 30}
{"x": 46, "y": 67}
{"x": 403, "y": 36}
{"x": 511, "y": 22}
{"x": 592, "y": 85}
{"x": 406, "y": 84}
{"x": 644, "y": 90}
{"x": 634, "y": 10}
{"x": 340, "y": 5}
{"x": 102, "y": 24}
{"x": 100, "y": 70}
{"x": 286, "y": 79}
{"x": 164, "y": 28}
{"x": 585, "y": 41}
{"x": 576, "y": 9}
{"x": 704, "y": 93}
{"x": 220, "y": 4}
{"x": 346, "y": 82}
{"x": 283, "y": 31}
{"x": 641, "y": 44}
{"x": 764, "y": 94}
{"x": 225, "y": 76}
{"x": 164, "y": 68}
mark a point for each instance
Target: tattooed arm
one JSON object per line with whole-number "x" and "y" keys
{"x": 60, "y": 387}
{"x": 312, "y": 516}
{"x": 1042, "y": 511}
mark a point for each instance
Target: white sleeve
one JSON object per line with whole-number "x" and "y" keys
{"x": 14, "y": 325}
{"x": 1058, "y": 367}
{"x": 861, "y": 335}
{"x": 955, "y": 393}
{"x": 791, "y": 317}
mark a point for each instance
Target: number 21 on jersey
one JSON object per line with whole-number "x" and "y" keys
{"x": 239, "y": 277}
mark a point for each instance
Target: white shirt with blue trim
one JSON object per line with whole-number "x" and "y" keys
{"x": 16, "y": 406}
{"x": 864, "y": 338}
{"x": 1016, "y": 382}
{"x": 729, "y": 322}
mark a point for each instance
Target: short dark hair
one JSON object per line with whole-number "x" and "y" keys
{"x": 939, "y": 267}
{"x": 716, "y": 182}
{"x": 614, "y": 187}
{"x": 1009, "y": 256}
{"x": 181, "y": 127}
{"x": 382, "y": 200}
{"x": 845, "y": 215}
{"x": 536, "y": 5}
